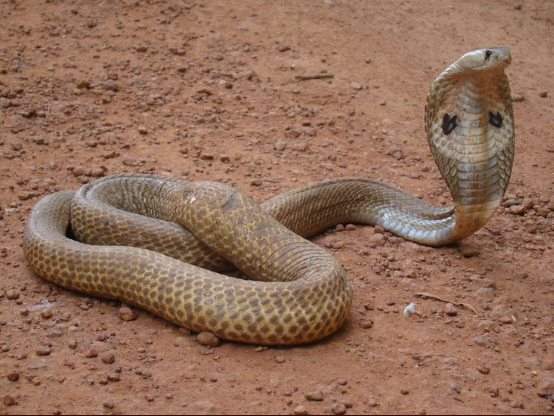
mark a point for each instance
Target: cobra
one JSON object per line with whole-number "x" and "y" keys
{"x": 161, "y": 243}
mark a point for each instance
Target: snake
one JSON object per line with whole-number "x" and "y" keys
{"x": 169, "y": 246}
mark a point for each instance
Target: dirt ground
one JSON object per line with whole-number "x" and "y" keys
{"x": 207, "y": 89}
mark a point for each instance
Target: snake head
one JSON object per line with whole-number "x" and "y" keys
{"x": 483, "y": 60}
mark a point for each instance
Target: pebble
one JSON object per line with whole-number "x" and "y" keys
{"x": 9, "y": 400}
{"x": 13, "y": 376}
{"x": 546, "y": 387}
{"x": 451, "y": 310}
{"x": 91, "y": 354}
{"x": 12, "y": 294}
{"x": 372, "y": 403}
{"x": 504, "y": 314}
{"x": 300, "y": 411}
{"x": 315, "y": 396}
{"x": 143, "y": 130}
{"x": 126, "y": 314}
{"x": 43, "y": 351}
{"x": 281, "y": 145}
{"x": 455, "y": 387}
{"x": 208, "y": 339}
{"x": 468, "y": 251}
{"x": 483, "y": 369}
{"x": 280, "y": 359}
{"x": 108, "y": 358}
{"x": 543, "y": 94}
{"x": 367, "y": 324}
{"x": 339, "y": 409}
{"x": 256, "y": 182}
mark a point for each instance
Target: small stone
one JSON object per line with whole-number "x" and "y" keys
{"x": 479, "y": 340}
{"x": 455, "y": 387}
{"x": 315, "y": 396}
{"x": 280, "y": 359}
{"x": 543, "y": 94}
{"x": 72, "y": 344}
{"x": 208, "y": 339}
{"x": 9, "y": 401}
{"x": 300, "y": 147}
{"x": 207, "y": 156}
{"x": 13, "y": 376}
{"x": 546, "y": 387}
{"x": 493, "y": 391}
{"x": 372, "y": 403}
{"x": 300, "y": 411}
{"x": 46, "y": 314}
{"x": 256, "y": 182}
{"x": 484, "y": 369}
{"x": 451, "y": 310}
{"x": 114, "y": 377}
{"x": 142, "y": 49}
{"x": 517, "y": 6}
{"x": 367, "y": 324}
{"x": 126, "y": 314}
{"x": 225, "y": 158}
{"x": 92, "y": 353}
{"x": 25, "y": 196}
{"x": 337, "y": 245}
{"x": 43, "y": 351}
{"x": 83, "y": 85}
{"x": 143, "y": 130}
{"x": 405, "y": 392}
{"x": 108, "y": 358}
{"x": 468, "y": 251}
{"x": 281, "y": 145}
{"x": 339, "y": 409}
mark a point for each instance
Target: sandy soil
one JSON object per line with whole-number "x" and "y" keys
{"x": 205, "y": 89}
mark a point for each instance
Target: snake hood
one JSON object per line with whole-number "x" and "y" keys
{"x": 470, "y": 128}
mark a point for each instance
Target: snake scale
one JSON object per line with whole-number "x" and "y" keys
{"x": 159, "y": 243}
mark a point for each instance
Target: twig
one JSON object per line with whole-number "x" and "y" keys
{"x": 314, "y": 76}
{"x": 458, "y": 304}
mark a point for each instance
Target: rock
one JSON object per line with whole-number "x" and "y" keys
{"x": 208, "y": 339}
{"x": 143, "y": 130}
{"x": 543, "y": 94}
{"x": 546, "y": 387}
{"x": 13, "y": 376}
{"x": 108, "y": 358}
{"x": 280, "y": 359}
{"x": 451, "y": 310}
{"x": 455, "y": 387}
{"x": 43, "y": 351}
{"x": 372, "y": 403}
{"x": 300, "y": 410}
{"x": 315, "y": 396}
{"x": 203, "y": 407}
{"x": 9, "y": 400}
{"x": 256, "y": 182}
{"x": 367, "y": 324}
{"x": 12, "y": 294}
{"x": 126, "y": 314}
{"x": 504, "y": 314}
{"x": 483, "y": 369}
{"x": 281, "y": 145}
{"x": 338, "y": 409}
{"x": 468, "y": 251}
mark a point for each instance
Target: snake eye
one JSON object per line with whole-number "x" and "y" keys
{"x": 488, "y": 54}
{"x": 449, "y": 124}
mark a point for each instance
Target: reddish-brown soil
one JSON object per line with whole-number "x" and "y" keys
{"x": 204, "y": 89}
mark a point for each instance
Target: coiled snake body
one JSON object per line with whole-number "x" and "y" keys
{"x": 159, "y": 242}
